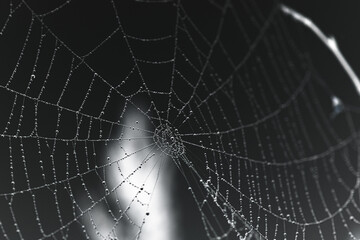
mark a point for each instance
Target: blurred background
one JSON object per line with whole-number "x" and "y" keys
{"x": 84, "y": 85}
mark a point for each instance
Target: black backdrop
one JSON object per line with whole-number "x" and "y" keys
{"x": 83, "y": 25}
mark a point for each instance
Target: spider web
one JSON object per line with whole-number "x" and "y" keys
{"x": 223, "y": 90}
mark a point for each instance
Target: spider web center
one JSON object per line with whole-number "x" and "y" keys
{"x": 168, "y": 140}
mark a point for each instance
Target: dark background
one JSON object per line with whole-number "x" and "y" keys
{"x": 84, "y": 24}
